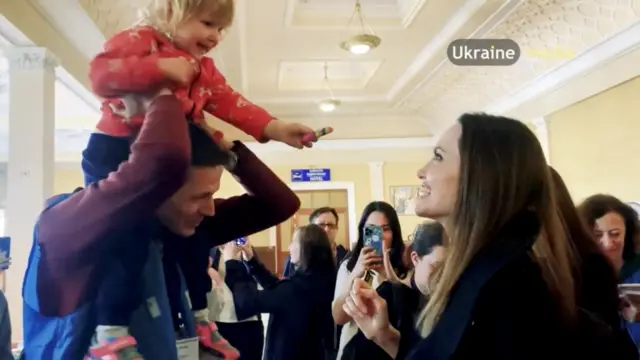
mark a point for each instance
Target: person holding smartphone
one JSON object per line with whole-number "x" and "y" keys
{"x": 378, "y": 219}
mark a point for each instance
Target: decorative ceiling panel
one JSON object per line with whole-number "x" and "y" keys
{"x": 309, "y": 75}
{"x": 112, "y": 16}
{"x": 573, "y": 26}
{"x": 337, "y": 13}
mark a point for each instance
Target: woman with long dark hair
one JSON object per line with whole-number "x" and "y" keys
{"x": 596, "y": 278}
{"x": 299, "y": 307}
{"x": 506, "y": 288}
{"x": 364, "y": 259}
{"x": 616, "y": 229}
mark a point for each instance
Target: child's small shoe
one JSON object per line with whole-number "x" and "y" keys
{"x": 120, "y": 348}
{"x": 213, "y": 343}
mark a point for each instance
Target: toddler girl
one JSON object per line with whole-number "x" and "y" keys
{"x": 168, "y": 47}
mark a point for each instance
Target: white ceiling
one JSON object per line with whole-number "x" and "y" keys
{"x": 276, "y": 50}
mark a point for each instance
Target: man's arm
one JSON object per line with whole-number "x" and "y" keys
{"x": 157, "y": 167}
{"x": 268, "y": 202}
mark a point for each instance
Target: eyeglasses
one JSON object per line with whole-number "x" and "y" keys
{"x": 328, "y": 226}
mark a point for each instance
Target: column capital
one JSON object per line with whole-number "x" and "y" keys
{"x": 30, "y": 58}
{"x": 542, "y": 132}
{"x": 540, "y": 123}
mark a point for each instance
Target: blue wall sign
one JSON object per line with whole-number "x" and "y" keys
{"x": 307, "y": 175}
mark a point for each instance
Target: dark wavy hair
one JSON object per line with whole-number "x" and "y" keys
{"x": 315, "y": 249}
{"x": 397, "y": 244}
{"x": 426, "y": 237}
{"x": 597, "y": 206}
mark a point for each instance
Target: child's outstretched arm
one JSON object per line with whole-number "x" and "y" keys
{"x": 231, "y": 107}
{"x": 128, "y": 64}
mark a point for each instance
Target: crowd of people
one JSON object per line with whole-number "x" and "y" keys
{"x": 142, "y": 263}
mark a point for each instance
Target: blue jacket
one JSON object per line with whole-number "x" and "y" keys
{"x": 634, "y": 328}
{"x": 69, "y": 336}
{"x": 74, "y": 236}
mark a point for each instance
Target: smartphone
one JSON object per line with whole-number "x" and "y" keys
{"x": 241, "y": 241}
{"x": 317, "y": 134}
{"x": 631, "y": 289}
{"x": 373, "y": 237}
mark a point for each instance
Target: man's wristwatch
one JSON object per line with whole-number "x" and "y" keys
{"x": 232, "y": 161}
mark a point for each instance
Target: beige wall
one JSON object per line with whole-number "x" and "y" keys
{"x": 594, "y": 144}
{"x": 394, "y": 174}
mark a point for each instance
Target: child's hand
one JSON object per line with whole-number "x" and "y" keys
{"x": 225, "y": 144}
{"x": 178, "y": 70}
{"x": 217, "y": 136}
{"x": 288, "y": 133}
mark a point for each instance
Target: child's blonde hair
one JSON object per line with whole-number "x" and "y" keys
{"x": 166, "y": 15}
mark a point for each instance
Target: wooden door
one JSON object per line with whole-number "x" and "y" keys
{"x": 309, "y": 201}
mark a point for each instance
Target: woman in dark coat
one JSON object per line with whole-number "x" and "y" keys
{"x": 507, "y": 287}
{"x": 299, "y": 308}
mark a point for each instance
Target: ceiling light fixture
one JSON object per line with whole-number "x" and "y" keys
{"x": 332, "y": 103}
{"x": 329, "y": 105}
{"x": 363, "y": 42}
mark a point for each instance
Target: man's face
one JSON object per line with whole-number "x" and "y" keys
{"x": 329, "y": 223}
{"x": 184, "y": 211}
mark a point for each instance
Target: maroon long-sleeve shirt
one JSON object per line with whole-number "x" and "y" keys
{"x": 72, "y": 234}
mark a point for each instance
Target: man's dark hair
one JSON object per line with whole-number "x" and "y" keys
{"x": 426, "y": 237}
{"x": 323, "y": 210}
{"x": 204, "y": 151}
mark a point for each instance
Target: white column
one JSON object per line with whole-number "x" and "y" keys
{"x": 376, "y": 180}
{"x": 31, "y": 159}
{"x": 542, "y": 131}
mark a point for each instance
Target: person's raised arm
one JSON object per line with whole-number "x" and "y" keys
{"x": 263, "y": 276}
{"x": 370, "y": 312}
{"x": 343, "y": 286}
{"x": 156, "y": 169}
{"x": 268, "y": 202}
{"x": 366, "y": 259}
{"x": 130, "y": 64}
{"x": 247, "y": 299}
{"x": 230, "y": 106}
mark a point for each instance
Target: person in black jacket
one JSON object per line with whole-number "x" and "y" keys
{"x": 404, "y": 297}
{"x": 244, "y": 334}
{"x": 597, "y": 287}
{"x": 300, "y": 323}
{"x": 327, "y": 218}
{"x": 507, "y": 287}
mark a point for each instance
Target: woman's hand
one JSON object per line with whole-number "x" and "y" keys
{"x": 388, "y": 270}
{"x": 628, "y": 310}
{"x": 247, "y": 250}
{"x": 215, "y": 277}
{"x": 367, "y": 309}
{"x": 368, "y": 259}
{"x": 231, "y": 251}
